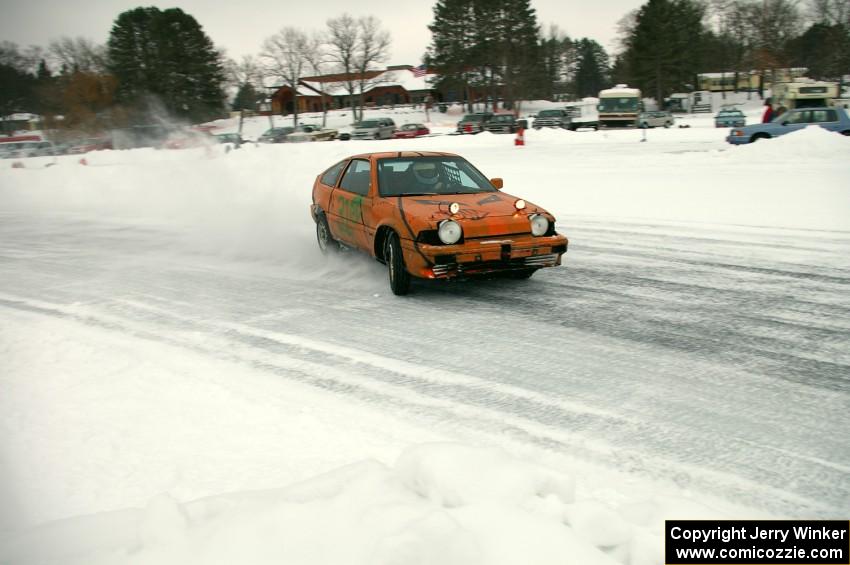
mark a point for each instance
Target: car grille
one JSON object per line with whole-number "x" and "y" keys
{"x": 547, "y": 260}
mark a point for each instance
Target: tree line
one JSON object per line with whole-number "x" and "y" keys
{"x": 480, "y": 50}
{"x": 666, "y": 43}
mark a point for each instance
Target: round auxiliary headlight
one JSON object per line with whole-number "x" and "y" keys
{"x": 539, "y": 225}
{"x": 520, "y": 204}
{"x": 454, "y": 208}
{"x": 449, "y": 232}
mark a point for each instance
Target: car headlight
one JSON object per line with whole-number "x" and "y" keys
{"x": 539, "y": 225}
{"x": 737, "y": 132}
{"x": 449, "y": 232}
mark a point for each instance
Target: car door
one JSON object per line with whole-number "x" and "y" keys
{"x": 346, "y": 208}
{"x": 825, "y": 118}
{"x": 795, "y": 120}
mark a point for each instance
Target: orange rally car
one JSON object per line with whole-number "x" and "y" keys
{"x": 433, "y": 216}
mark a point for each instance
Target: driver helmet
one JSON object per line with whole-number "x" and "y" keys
{"x": 426, "y": 172}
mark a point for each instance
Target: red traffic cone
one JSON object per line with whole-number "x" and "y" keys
{"x": 520, "y": 137}
{"x": 83, "y": 161}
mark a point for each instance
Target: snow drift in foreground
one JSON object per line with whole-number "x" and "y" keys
{"x": 441, "y": 504}
{"x": 119, "y": 420}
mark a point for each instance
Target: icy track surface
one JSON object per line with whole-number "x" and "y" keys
{"x": 697, "y": 336}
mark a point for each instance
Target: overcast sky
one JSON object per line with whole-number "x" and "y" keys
{"x": 241, "y": 26}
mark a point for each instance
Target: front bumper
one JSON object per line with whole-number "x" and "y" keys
{"x": 737, "y": 139}
{"x": 483, "y": 255}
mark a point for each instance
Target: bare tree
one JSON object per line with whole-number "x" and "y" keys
{"x": 774, "y": 23}
{"x": 78, "y": 54}
{"x": 342, "y": 51}
{"x": 285, "y": 57}
{"x": 830, "y": 12}
{"x": 316, "y": 56}
{"x": 248, "y": 70}
{"x": 357, "y": 46}
{"x": 373, "y": 48}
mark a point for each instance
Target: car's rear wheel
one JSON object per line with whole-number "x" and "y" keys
{"x": 399, "y": 277}
{"x": 758, "y": 136}
{"x": 327, "y": 244}
{"x": 668, "y": 124}
{"x": 847, "y": 132}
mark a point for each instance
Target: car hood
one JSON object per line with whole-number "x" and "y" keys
{"x": 482, "y": 214}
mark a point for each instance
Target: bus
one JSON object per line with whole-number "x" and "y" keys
{"x": 804, "y": 93}
{"x": 619, "y": 106}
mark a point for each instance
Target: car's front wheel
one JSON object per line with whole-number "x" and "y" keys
{"x": 399, "y": 277}
{"x": 327, "y": 244}
{"x": 758, "y": 136}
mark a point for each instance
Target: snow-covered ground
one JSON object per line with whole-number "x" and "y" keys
{"x": 185, "y": 379}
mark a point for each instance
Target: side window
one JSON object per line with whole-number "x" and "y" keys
{"x": 798, "y": 117}
{"x": 330, "y": 176}
{"x": 819, "y": 116}
{"x": 356, "y": 177}
{"x": 457, "y": 176}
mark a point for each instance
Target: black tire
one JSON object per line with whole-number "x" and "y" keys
{"x": 845, "y": 132}
{"x": 522, "y": 275}
{"x": 399, "y": 277}
{"x": 667, "y": 124}
{"x": 327, "y": 244}
{"x": 758, "y": 136}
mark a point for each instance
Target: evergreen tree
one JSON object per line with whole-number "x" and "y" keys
{"x": 556, "y": 51}
{"x": 665, "y": 48}
{"x": 592, "y": 68}
{"x": 167, "y": 55}
{"x": 487, "y": 44}
{"x": 824, "y": 50}
{"x": 452, "y": 46}
{"x": 246, "y": 97}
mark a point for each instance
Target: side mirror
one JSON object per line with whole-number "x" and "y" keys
{"x": 497, "y": 183}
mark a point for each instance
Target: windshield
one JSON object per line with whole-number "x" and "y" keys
{"x": 549, "y": 114}
{"x": 472, "y": 118}
{"x": 368, "y": 124}
{"x": 501, "y": 118}
{"x": 729, "y": 114}
{"x": 627, "y": 104}
{"x": 407, "y": 176}
{"x": 410, "y": 127}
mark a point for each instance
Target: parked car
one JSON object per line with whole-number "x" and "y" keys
{"x": 432, "y": 216}
{"x": 22, "y": 149}
{"x": 654, "y": 119}
{"x": 233, "y": 138}
{"x": 730, "y": 118}
{"x": 308, "y": 132}
{"x": 829, "y": 118}
{"x": 474, "y": 123}
{"x": 378, "y": 128}
{"x": 502, "y": 123}
{"x": 81, "y": 146}
{"x": 411, "y": 130}
{"x": 553, "y": 118}
{"x": 276, "y": 135}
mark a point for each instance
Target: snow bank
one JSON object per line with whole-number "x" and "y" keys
{"x": 439, "y": 504}
{"x": 254, "y": 201}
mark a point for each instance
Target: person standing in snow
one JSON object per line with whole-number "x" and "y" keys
{"x": 768, "y": 111}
